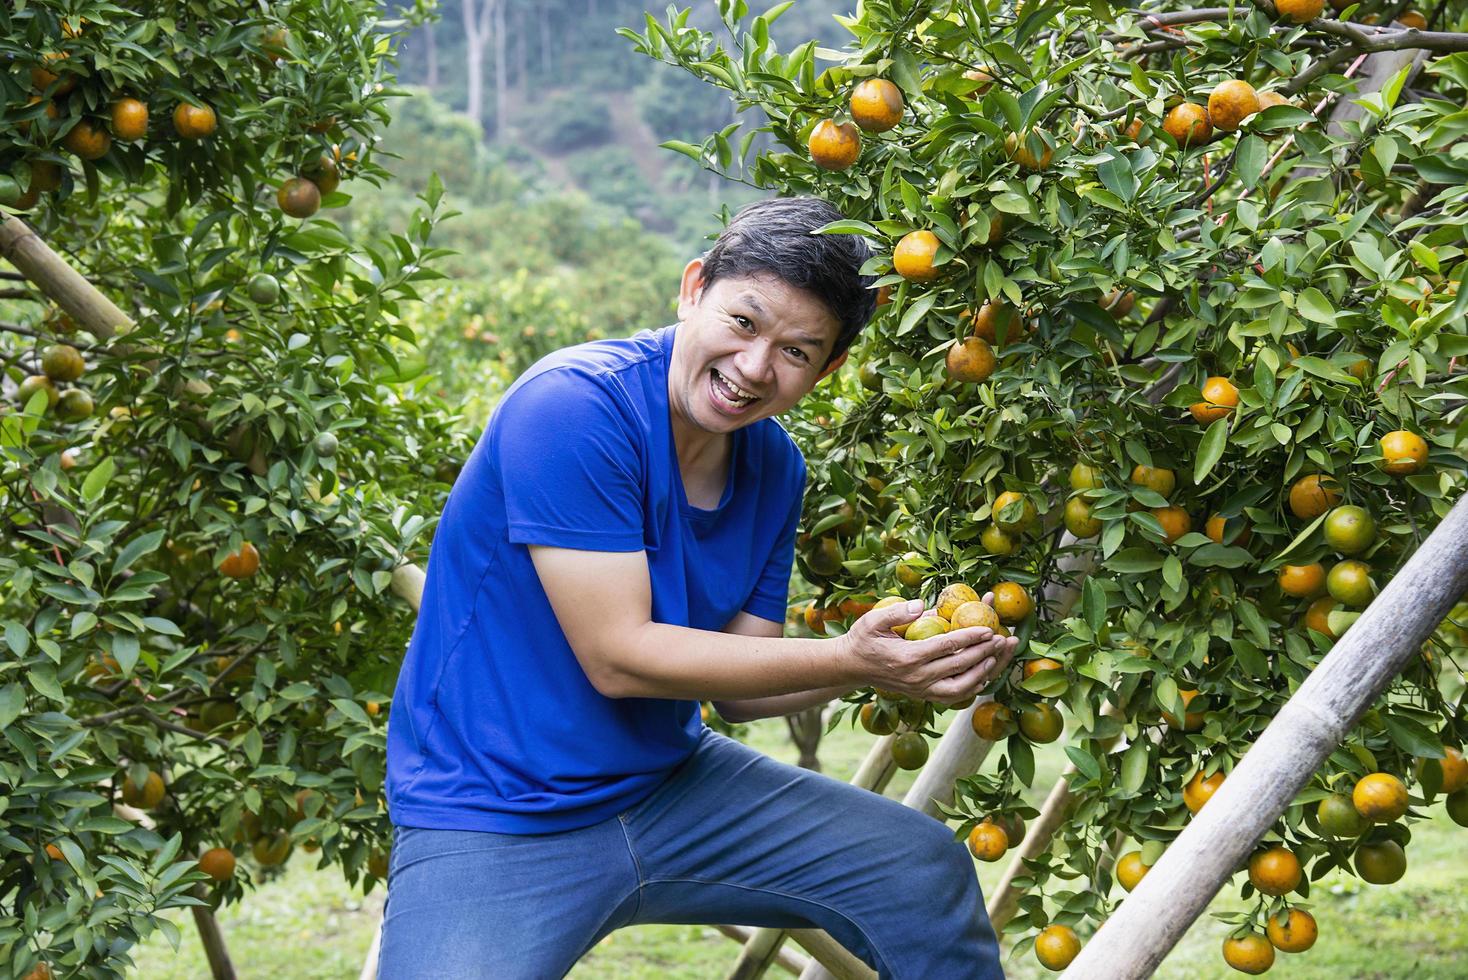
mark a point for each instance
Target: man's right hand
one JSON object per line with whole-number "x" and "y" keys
{"x": 946, "y": 668}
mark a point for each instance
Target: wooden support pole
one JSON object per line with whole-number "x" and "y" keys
{"x": 1311, "y": 724}
{"x": 1005, "y": 898}
{"x": 407, "y": 584}
{"x": 786, "y": 959}
{"x": 92, "y": 311}
{"x": 220, "y": 968}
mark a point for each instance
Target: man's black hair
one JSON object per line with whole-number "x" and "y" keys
{"x": 774, "y": 238}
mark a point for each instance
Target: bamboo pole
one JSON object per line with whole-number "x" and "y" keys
{"x": 407, "y": 584}
{"x": 1005, "y": 899}
{"x": 1311, "y": 724}
{"x": 220, "y": 967}
{"x": 82, "y": 301}
{"x": 785, "y": 958}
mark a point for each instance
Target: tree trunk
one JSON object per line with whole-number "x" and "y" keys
{"x": 805, "y": 731}
{"x": 477, "y": 15}
{"x": 547, "y": 52}
{"x": 220, "y": 967}
{"x": 501, "y": 71}
{"x": 431, "y": 43}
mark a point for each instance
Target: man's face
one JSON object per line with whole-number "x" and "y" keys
{"x": 747, "y": 349}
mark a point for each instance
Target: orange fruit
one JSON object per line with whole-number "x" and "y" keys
{"x": 324, "y": 173}
{"x": 1338, "y": 817}
{"x": 1084, "y": 476}
{"x": 1174, "y": 520}
{"x": 1274, "y": 871}
{"x": 952, "y": 597}
{"x": 974, "y": 614}
{"x": 1078, "y": 519}
{"x": 33, "y": 384}
{"x": 1200, "y": 790}
{"x": 997, "y": 541}
{"x": 1188, "y": 124}
{"x": 1299, "y": 11}
{"x": 129, "y": 119}
{"x": 1040, "y": 723}
{"x": 992, "y": 315}
{"x": 988, "y": 842}
{"x": 88, "y": 140}
{"x": 1412, "y": 19}
{"x": 1056, "y": 946}
{"x": 1033, "y": 667}
{"x": 1250, "y": 953}
{"x": 993, "y": 722}
{"x": 1164, "y": 481}
{"x": 1292, "y": 930}
{"x": 1381, "y": 863}
{"x": 927, "y": 627}
{"x": 1130, "y": 870}
{"x": 909, "y": 750}
{"x": 217, "y": 863}
{"x": 876, "y": 105}
{"x": 241, "y": 564}
{"x": 1012, "y": 603}
{"x": 42, "y": 77}
{"x": 1192, "y": 721}
{"x": 52, "y": 112}
{"x": 913, "y": 257}
{"x": 1230, "y": 103}
{"x": 54, "y": 853}
{"x": 971, "y": 360}
{"x": 1403, "y": 452}
{"x": 1317, "y": 617}
{"x": 62, "y": 362}
{"x": 1350, "y": 529}
{"x": 982, "y": 76}
{"x": 1216, "y": 527}
{"x": 1019, "y": 149}
{"x": 194, "y": 122}
{"x": 877, "y": 721}
{"x": 1219, "y": 398}
{"x": 1313, "y": 495}
{"x": 1119, "y": 303}
{"x": 1268, "y": 100}
{"x": 1457, "y": 807}
{"x": 1027, "y": 518}
{"x": 1380, "y": 797}
{"x": 833, "y": 145}
{"x": 1453, "y": 769}
{"x": 1350, "y": 583}
{"x": 299, "y": 197}
{"x": 146, "y": 798}
{"x": 270, "y": 850}
{"x": 1302, "y": 581}
{"x": 1132, "y": 130}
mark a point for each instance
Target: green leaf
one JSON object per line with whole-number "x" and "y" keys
{"x": 1134, "y": 765}
{"x": 137, "y": 548}
{"x": 1084, "y": 762}
{"x": 96, "y": 480}
{"x": 1312, "y": 304}
{"x": 12, "y": 702}
{"x": 1094, "y": 604}
{"x": 1210, "y": 451}
{"x": 1414, "y": 737}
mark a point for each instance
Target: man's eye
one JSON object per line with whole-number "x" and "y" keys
{"x": 798, "y": 353}
{"x": 744, "y": 322}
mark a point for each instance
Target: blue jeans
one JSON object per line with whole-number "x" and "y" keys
{"x": 732, "y": 836}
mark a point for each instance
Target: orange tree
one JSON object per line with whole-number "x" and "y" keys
{"x": 1171, "y": 315}
{"x": 200, "y": 515}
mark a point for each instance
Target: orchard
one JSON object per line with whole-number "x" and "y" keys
{"x": 1169, "y": 358}
{"x": 215, "y": 452}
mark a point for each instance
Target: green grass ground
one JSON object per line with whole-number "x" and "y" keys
{"x": 308, "y": 924}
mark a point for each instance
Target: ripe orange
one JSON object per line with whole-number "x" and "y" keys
{"x": 1132, "y": 130}
{"x": 1119, "y": 303}
{"x": 1200, "y": 790}
{"x": 992, "y": 315}
{"x": 324, "y": 173}
{"x": 1033, "y": 667}
{"x": 952, "y": 597}
{"x": 913, "y": 257}
{"x": 1219, "y": 398}
{"x": 42, "y": 77}
{"x": 974, "y": 614}
{"x": 1012, "y": 603}
{"x": 1381, "y": 863}
{"x": 876, "y": 721}
{"x": 217, "y": 863}
{"x": 194, "y": 122}
{"x": 1274, "y": 871}
{"x": 1130, "y": 870}
{"x": 1188, "y": 124}
{"x": 982, "y": 76}
{"x": 1230, "y": 103}
{"x": 926, "y": 627}
{"x": 993, "y": 722}
{"x": 41, "y": 971}
{"x": 1040, "y": 723}
{"x": 146, "y": 798}
{"x": 1350, "y": 529}
{"x": 270, "y": 850}
{"x": 54, "y": 853}
{"x": 52, "y": 112}
{"x": 1453, "y": 769}
{"x": 909, "y": 750}
{"x": 1027, "y": 518}
{"x": 997, "y": 541}
{"x": 833, "y": 145}
{"x": 1338, "y": 817}
{"x": 1317, "y": 617}
{"x": 876, "y": 105}
{"x": 971, "y": 360}
{"x": 1313, "y": 495}
{"x": 1268, "y": 100}
{"x": 1380, "y": 797}
{"x": 1350, "y": 583}
{"x": 1217, "y": 527}
{"x": 1019, "y": 149}
{"x": 1056, "y": 946}
{"x": 299, "y": 197}
{"x": 1084, "y": 476}
{"x": 1164, "y": 481}
{"x": 241, "y": 564}
{"x": 1299, "y": 11}
{"x": 1403, "y": 452}
{"x": 1292, "y": 930}
{"x": 909, "y": 573}
{"x": 88, "y": 140}
{"x": 129, "y": 119}
{"x": 1412, "y": 19}
{"x": 1250, "y": 953}
{"x": 1302, "y": 581}
{"x": 1174, "y": 520}
{"x": 1078, "y": 519}
{"x": 1192, "y": 720}
{"x": 988, "y": 842}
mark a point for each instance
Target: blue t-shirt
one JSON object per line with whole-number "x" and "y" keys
{"x": 494, "y": 725}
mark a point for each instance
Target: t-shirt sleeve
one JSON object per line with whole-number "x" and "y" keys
{"x": 571, "y": 465}
{"x": 770, "y": 592}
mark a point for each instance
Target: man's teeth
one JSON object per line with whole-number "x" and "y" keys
{"x": 738, "y": 393}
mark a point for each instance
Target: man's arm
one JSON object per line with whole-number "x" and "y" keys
{"x": 749, "y": 709}
{"x": 603, "y": 602}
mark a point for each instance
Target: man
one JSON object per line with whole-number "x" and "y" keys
{"x": 617, "y": 549}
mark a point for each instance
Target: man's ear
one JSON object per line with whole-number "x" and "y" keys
{"x": 690, "y": 288}
{"x": 833, "y": 367}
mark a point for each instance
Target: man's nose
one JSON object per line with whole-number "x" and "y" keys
{"x": 757, "y": 362}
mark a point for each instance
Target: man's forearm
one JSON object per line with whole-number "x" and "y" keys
{"x": 751, "y": 709}
{"x": 675, "y": 662}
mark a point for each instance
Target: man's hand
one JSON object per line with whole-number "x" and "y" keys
{"x": 945, "y": 668}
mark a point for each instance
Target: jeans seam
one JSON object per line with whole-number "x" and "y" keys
{"x": 636, "y": 864}
{"x": 865, "y": 932}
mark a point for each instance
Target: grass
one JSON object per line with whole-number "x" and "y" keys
{"x": 309, "y": 924}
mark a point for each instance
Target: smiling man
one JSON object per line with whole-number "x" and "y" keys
{"x": 617, "y": 549}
